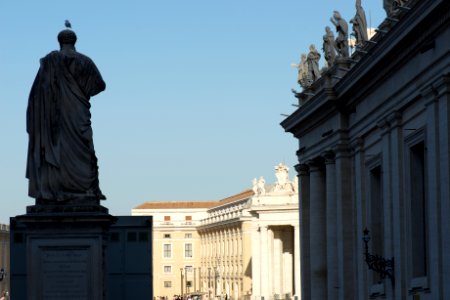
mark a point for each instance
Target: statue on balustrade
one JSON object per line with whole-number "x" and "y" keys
{"x": 341, "y": 43}
{"x": 302, "y": 67}
{"x": 61, "y": 164}
{"x": 359, "y": 25}
{"x": 391, "y": 6}
{"x": 328, "y": 47}
{"x": 313, "y": 63}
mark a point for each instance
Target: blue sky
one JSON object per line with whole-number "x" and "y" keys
{"x": 194, "y": 92}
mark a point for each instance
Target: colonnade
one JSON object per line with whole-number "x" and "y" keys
{"x": 326, "y": 221}
{"x": 222, "y": 261}
{"x": 275, "y": 269}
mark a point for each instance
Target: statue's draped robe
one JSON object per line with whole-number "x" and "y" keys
{"x": 61, "y": 159}
{"x": 341, "y": 44}
{"x": 361, "y": 28}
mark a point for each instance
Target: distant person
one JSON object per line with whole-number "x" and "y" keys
{"x": 61, "y": 164}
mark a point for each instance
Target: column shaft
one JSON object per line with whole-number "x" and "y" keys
{"x": 303, "y": 234}
{"x": 331, "y": 210}
{"x": 318, "y": 243}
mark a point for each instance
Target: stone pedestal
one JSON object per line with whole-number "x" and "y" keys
{"x": 65, "y": 251}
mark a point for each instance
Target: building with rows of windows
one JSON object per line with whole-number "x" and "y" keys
{"x": 374, "y": 153}
{"x": 242, "y": 247}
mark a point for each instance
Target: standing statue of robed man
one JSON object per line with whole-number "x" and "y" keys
{"x": 62, "y": 166}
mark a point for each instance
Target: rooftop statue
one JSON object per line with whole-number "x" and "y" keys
{"x": 313, "y": 63}
{"x": 391, "y": 6}
{"x": 62, "y": 165}
{"x": 302, "y": 67}
{"x": 328, "y": 46}
{"x": 283, "y": 183}
{"x": 259, "y": 186}
{"x": 387, "y": 5}
{"x": 359, "y": 25}
{"x": 341, "y": 43}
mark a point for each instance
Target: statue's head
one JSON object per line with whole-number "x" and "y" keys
{"x": 67, "y": 37}
{"x": 337, "y": 15}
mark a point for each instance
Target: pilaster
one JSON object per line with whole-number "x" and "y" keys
{"x": 398, "y": 204}
{"x": 331, "y": 218}
{"x": 345, "y": 222}
{"x": 318, "y": 243}
{"x": 303, "y": 235}
{"x": 360, "y": 204}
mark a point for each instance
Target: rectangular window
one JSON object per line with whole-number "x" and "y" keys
{"x": 188, "y": 250}
{"x": 188, "y": 269}
{"x": 188, "y": 218}
{"x": 167, "y": 235}
{"x": 418, "y": 210}
{"x": 167, "y": 269}
{"x": 166, "y": 218}
{"x": 167, "y": 251}
{"x": 188, "y": 235}
{"x": 167, "y": 284}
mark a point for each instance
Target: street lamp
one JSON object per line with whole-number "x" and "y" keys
{"x": 181, "y": 281}
{"x": 377, "y": 263}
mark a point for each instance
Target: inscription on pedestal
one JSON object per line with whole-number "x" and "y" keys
{"x": 65, "y": 273}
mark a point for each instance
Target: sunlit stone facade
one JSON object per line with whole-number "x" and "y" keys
{"x": 248, "y": 244}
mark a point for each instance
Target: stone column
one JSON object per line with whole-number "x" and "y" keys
{"x": 256, "y": 263}
{"x": 398, "y": 204}
{"x": 387, "y": 200}
{"x": 303, "y": 233}
{"x": 361, "y": 267}
{"x": 345, "y": 222}
{"x": 331, "y": 210}
{"x": 442, "y": 94}
{"x": 288, "y": 264}
{"x": 318, "y": 243}
{"x": 297, "y": 262}
{"x": 270, "y": 252}
{"x": 277, "y": 263}
{"x": 264, "y": 261}
{"x": 437, "y": 176}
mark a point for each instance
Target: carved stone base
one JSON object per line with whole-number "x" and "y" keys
{"x": 64, "y": 251}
